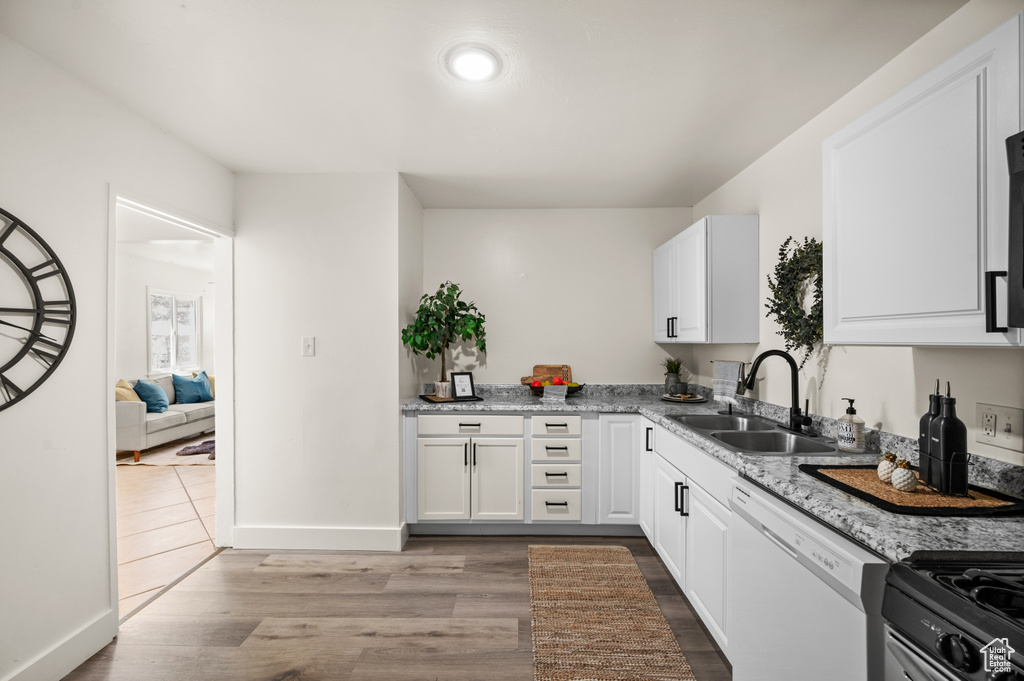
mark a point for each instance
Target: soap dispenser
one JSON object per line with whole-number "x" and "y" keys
{"x": 929, "y": 472}
{"x": 850, "y": 437}
{"x": 948, "y": 436}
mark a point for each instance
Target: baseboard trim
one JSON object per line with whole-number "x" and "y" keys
{"x": 531, "y": 529}
{"x": 320, "y": 538}
{"x": 65, "y": 656}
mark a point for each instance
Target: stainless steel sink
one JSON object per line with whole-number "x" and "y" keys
{"x": 774, "y": 442}
{"x": 721, "y": 422}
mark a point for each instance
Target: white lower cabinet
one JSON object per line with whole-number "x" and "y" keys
{"x": 443, "y": 478}
{"x": 691, "y": 526}
{"x": 618, "y": 471}
{"x": 669, "y": 519}
{"x": 646, "y": 477}
{"x": 707, "y": 560}
{"x": 469, "y": 478}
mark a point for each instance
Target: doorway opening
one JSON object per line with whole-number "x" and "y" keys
{"x": 168, "y": 338}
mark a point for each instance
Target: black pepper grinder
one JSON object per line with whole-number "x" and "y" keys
{"x": 929, "y": 473}
{"x": 948, "y": 443}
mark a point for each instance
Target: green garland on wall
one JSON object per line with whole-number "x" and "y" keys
{"x": 799, "y": 266}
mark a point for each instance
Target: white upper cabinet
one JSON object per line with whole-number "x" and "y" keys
{"x": 916, "y": 205}
{"x": 706, "y": 283}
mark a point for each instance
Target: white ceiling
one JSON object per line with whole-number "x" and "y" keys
{"x": 147, "y": 236}
{"x": 606, "y": 103}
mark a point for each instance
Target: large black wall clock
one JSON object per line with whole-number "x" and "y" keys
{"x": 37, "y": 310}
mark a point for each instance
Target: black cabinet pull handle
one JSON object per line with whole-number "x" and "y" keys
{"x": 465, "y": 454}
{"x": 474, "y": 454}
{"x": 469, "y": 425}
{"x": 557, "y": 425}
{"x": 556, "y": 503}
{"x": 549, "y": 448}
{"x": 647, "y": 446}
{"x": 991, "y": 319}
{"x": 682, "y": 503}
{"x": 679, "y": 508}
{"x": 552, "y": 475}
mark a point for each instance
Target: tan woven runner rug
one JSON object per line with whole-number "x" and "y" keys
{"x": 594, "y": 617}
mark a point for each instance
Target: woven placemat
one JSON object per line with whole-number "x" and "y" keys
{"x": 863, "y": 482}
{"x": 594, "y": 617}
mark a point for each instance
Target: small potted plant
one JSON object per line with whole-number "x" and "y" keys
{"x": 673, "y": 386}
{"x": 441, "y": 320}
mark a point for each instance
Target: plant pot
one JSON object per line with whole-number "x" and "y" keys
{"x": 671, "y": 384}
{"x": 442, "y": 388}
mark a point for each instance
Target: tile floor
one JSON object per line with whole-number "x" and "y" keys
{"x": 165, "y": 526}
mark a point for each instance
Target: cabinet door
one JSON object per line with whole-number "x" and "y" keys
{"x": 916, "y": 205}
{"x": 442, "y": 469}
{"x": 646, "y": 484}
{"x": 692, "y": 284}
{"x": 669, "y": 524}
{"x": 707, "y": 561}
{"x": 497, "y": 465}
{"x": 664, "y": 291}
{"x": 618, "y": 502}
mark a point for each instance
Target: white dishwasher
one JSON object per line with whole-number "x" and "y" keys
{"x": 805, "y": 602}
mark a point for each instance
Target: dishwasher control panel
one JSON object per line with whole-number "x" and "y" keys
{"x": 813, "y": 544}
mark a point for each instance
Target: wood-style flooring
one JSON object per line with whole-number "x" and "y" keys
{"x": 165, "y": 526}
{"x": 445, "y": 608}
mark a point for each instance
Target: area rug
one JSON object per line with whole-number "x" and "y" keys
{"x": 594, "y": 617}
{"x": 167, "y": 455}
{"x": 206, "y": 448}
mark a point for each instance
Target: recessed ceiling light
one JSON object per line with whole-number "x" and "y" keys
{"x": 473, "y": 63}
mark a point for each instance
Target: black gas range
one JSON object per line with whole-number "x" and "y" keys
{"x": 955, "y": 615}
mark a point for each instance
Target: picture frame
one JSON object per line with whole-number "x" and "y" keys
{"x": 462, "y": 385}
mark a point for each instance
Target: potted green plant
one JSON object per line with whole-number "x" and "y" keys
{"x": 673, "y": 366}
{"x": 441, "y": 320}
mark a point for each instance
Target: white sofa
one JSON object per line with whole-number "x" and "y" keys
{"x": 138, "y": 429}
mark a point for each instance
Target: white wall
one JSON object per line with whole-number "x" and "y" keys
{"x": 784, "y": 186}
{"x": 63, "y": 145}
{"x": 317, "y": 450}
{"x": 410, "y": 281}
{"x": 135, "y": 275}
{"x": 556, "y": 286}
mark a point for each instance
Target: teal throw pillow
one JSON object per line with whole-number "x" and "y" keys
{"x": 188, "y": 390}
{"x": 153, "y": 395}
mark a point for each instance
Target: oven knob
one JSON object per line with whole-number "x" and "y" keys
{"x": 957, "y": 652}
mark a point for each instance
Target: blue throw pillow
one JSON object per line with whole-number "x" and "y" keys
{"x": 188, "y": 390}
{"x": 153, "y": 395}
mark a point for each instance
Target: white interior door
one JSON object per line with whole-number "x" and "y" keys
{"x": 497, "y": 465}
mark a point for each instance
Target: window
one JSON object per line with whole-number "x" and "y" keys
{"x": 174, "y": 332}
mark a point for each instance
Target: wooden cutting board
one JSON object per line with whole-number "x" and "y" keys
{"x": 546, "y": 372}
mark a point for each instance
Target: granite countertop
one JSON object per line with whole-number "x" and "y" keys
{"x": 891, "y": 535}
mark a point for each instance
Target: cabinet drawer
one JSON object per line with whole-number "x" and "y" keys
{"x": 556, "y": 475}
{"x": 469, "y": 424}
{"x": 551, "y": 449}
{"x": 558, "y": 504}
{"x": 555, "y": 424}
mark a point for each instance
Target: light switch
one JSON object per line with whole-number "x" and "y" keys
{"x": 309, "y": 346}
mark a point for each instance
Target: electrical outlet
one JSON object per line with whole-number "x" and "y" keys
{"x": 1000, "y": 426}
{"x": 309, "y": 346}
{"x": 988, "y": 424}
